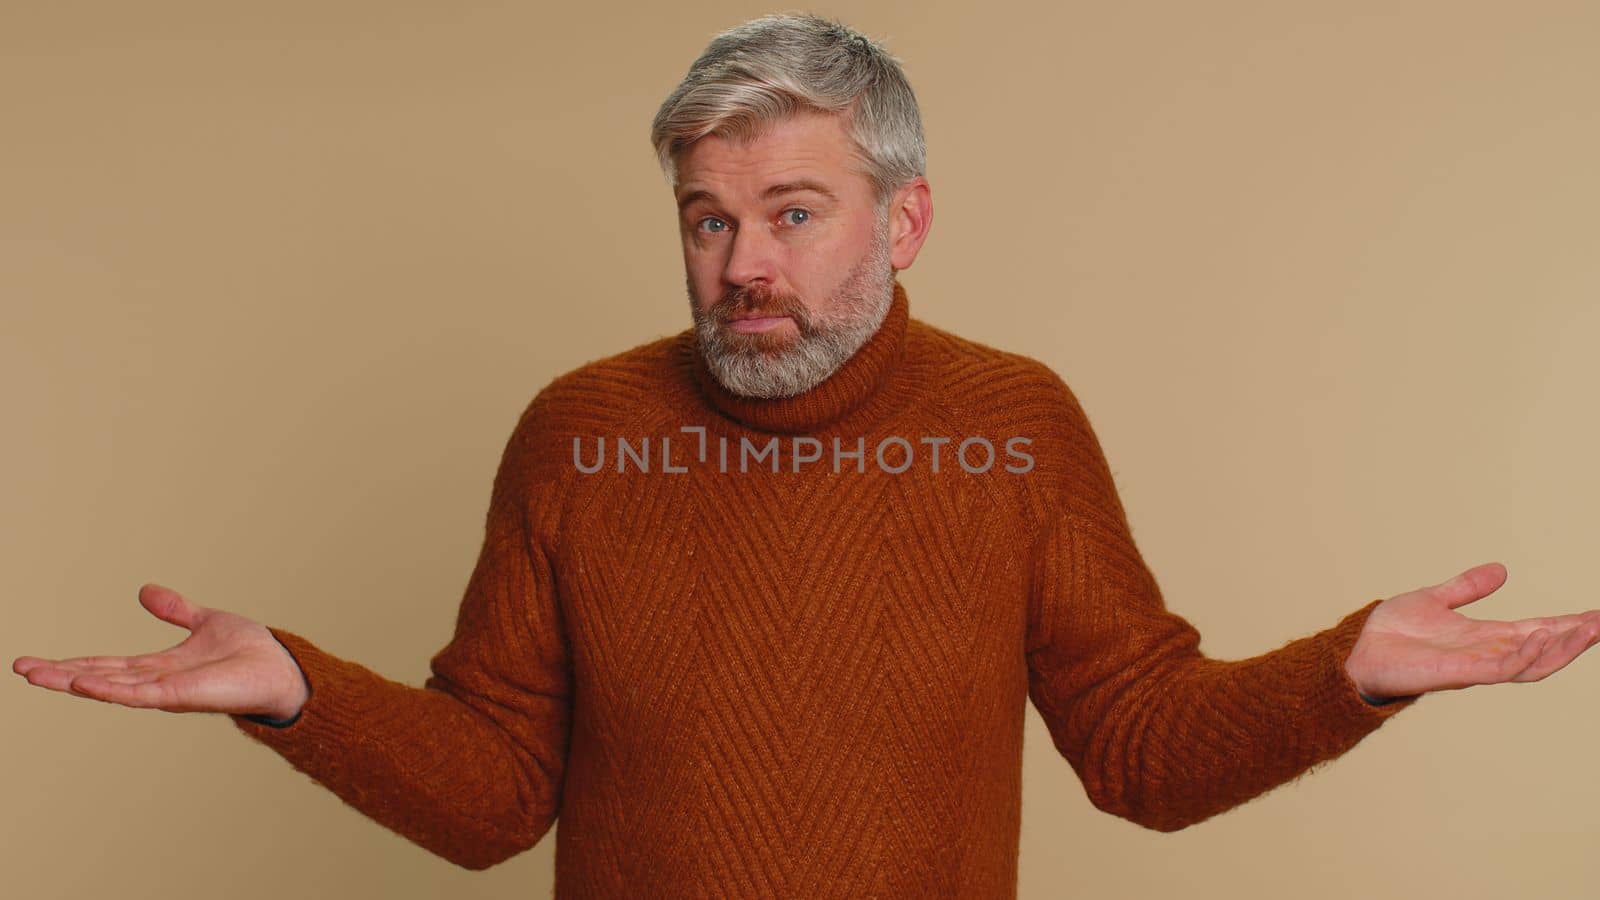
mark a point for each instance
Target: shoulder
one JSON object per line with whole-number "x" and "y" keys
{"x": 612, "y": 385}
{"x": 1001, "y": 387}
{"x": 606, "y": 395}
{"x": 1008, "y": 396}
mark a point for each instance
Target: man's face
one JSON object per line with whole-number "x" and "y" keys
{"x": 786, "y": 254}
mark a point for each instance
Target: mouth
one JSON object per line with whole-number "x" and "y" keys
{"x": 754, "y": 323}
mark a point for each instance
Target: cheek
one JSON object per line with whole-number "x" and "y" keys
{"x": 821, "y": 257}
{"x": 704, "y": 286}
{"x": 697, "y": 264}
{"x": 703, "y": 257}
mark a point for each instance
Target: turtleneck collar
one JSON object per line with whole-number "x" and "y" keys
{"x": 855, "y": 391}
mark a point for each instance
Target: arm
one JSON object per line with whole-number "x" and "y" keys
{"x": 469, "y": 766}
{"x": 1159, "y": 733}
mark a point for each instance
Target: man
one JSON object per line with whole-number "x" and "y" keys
{"x": 778, "y": 639}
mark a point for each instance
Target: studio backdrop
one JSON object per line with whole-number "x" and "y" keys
{"x": 277, "y": 280}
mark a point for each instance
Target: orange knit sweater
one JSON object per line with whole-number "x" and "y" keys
{"x": 742, "y": 659}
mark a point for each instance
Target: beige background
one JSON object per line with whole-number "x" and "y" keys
{"x": 277, "y": 280}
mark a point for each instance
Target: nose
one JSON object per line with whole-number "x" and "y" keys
{"x": 753, "y": 257}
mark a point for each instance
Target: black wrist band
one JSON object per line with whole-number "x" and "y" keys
{"x": 274, "y": 723}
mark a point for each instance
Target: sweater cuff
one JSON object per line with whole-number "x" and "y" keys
{"x": 346, "y": 700}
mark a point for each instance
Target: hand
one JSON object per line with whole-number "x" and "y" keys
{"x": 227, "y": 664}
{"x": 1416, "y": 642}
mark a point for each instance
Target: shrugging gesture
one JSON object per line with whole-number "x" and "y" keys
{"x": 227, "y": 664}
{"x": 1417, "y": 642}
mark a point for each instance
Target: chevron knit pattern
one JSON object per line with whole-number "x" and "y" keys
{"x": 805, "y": 674}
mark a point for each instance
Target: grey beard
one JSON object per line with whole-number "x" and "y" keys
{"x": 859, "y": 308}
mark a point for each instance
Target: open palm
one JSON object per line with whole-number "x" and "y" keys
{"x": 1417, "y": 642}
{"x": 227, "y": 664}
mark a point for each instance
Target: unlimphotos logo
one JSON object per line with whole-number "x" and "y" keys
{"x": 892, "y": 455}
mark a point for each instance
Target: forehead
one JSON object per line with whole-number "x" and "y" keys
{"x": 809, "y": 146}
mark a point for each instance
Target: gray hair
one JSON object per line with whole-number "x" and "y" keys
{"x": 774, "y": 67}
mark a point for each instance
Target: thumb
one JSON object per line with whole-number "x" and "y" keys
{"x": 1474, "y": 584}
{"x": 169, "y": 606}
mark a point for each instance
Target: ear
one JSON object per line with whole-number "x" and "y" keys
{"x": 910, "y": 217}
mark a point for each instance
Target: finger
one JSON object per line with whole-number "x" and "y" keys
{"x": 1554, "y": 623}
{"x": 48, "y": 676}
{"x": 1562, "y": 649}
{"x": 170, "y": 606}
{"x": 1550, "y": 655}
{"x": 90, "y": 662}
{"x": 60, "y": 678}
{"x": 1514, "y": 664}
{"x": 103, "y": 671}
{"x": 53, "y": 678}
{"x": 74, "y": 668}
{"x": 145, "y": 695}
{"x": 1474, "y": 584}
{"x": 22, "y": 665}
{"x": 57, "y": 678}
{"x": 102, "y": 665}
{"x": 127, "y": 678}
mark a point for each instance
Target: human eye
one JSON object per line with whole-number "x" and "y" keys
{"x": 804, "y": 216}
{"x": 712, "y": 220}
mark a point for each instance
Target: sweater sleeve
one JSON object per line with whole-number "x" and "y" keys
{"x": 1159, "y": 733}
{"x": 470, "y": 765}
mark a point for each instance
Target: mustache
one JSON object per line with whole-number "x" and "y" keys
{"x": 760, "y": 301}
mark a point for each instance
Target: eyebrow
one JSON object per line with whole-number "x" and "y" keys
{"x": 776, "y": 190}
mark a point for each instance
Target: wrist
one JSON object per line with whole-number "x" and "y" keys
{"x": 282, "y": 716}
